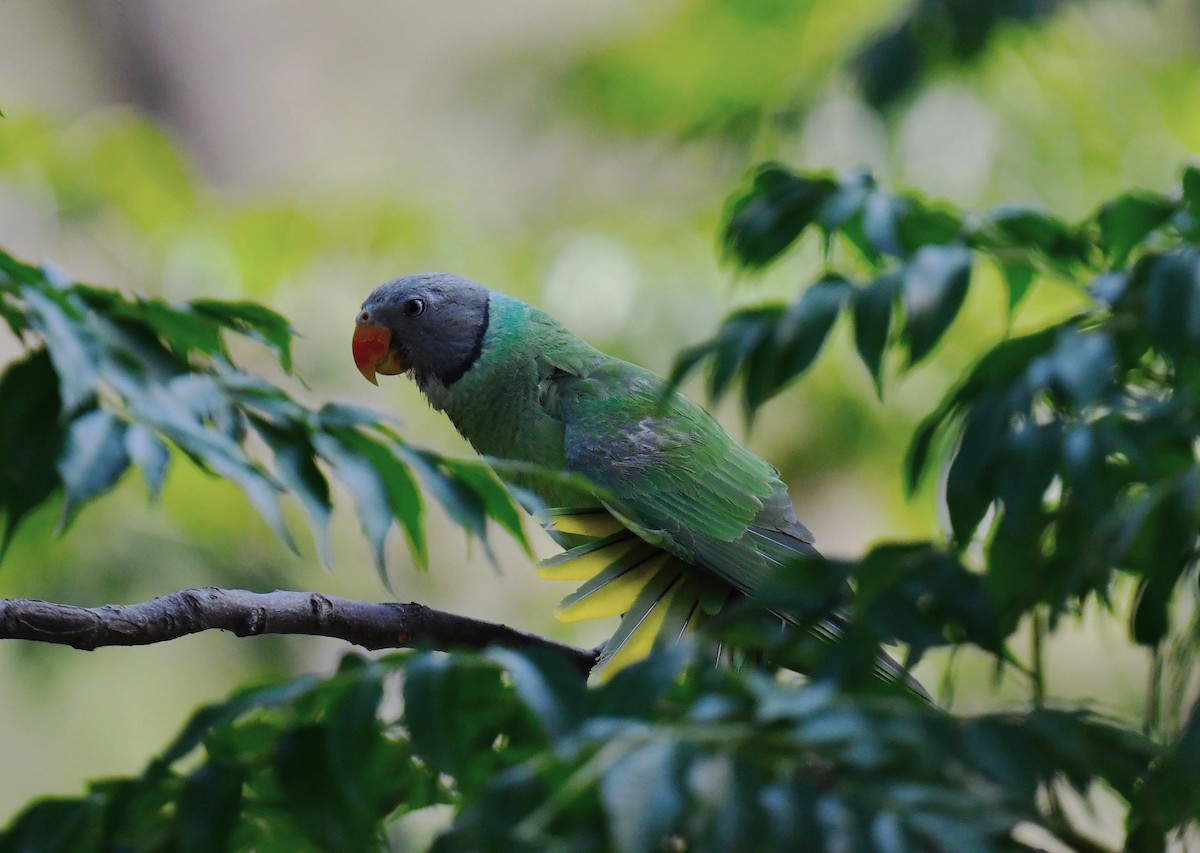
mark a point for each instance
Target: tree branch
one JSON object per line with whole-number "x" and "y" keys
{"x": 388, "y": 625}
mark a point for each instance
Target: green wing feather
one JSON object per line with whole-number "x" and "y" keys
{"x": 720, "y": 514}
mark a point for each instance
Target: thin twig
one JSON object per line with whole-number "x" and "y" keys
{"x": 388, "y": 625}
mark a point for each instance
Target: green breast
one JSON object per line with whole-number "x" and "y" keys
{"x": 495, "y": 404}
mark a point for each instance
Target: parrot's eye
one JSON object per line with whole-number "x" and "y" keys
{"x": 414, "y": 307}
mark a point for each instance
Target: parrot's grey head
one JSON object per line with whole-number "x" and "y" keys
{"x": 431, "y": 323}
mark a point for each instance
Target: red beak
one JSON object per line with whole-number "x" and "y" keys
{"x": 373, "y": 353}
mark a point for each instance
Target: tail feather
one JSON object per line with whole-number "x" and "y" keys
{"x": 658, "y": 596}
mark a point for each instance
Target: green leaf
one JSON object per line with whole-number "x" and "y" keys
{"x": 71, "y": 349}
{"x": 1172, "y": 302}
{"x": 497, "y": 503}
{"x": 181, "y": 329}
{"x": 921, "y": 224}
{"x": 935, "y": 285}
{"x": 150, "y": 454}
{"x": 254, "y": 320}
{"x": 787, "y": 350}
{"x": 295, "y": 466}
{"x": 53, "y": 825}
{"x": 1191, "y": 191}
{"x": 31, "y": 439}
{"x": 210, "y": 717}
{"x": 872, "y": 321}
{"x": 740, "y": 335}
{"x": 881, "y": 223}
{"x": 403, "y": 497}
{"x": 465, "y": 506}
{"x": 763, "y": 221}
{"x": 370, "y": 497}
{"x": 1018, "y": 278}
{"x": 93, "y": 459}
{"x": 548, "y": 685}
{"x": 1024, "y": 228}
{"x": 209, "y": 808}
{"x": 642, "y": 796}
{"x": 1127, "y": 220}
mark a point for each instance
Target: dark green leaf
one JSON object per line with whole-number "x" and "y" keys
{"x": 364, "y": 482}
{"x": 1127, "y": 220}
{"x": 788, "y": 349}
{"x": 740, "y": 335}
{"x": 209, "y": 808}
{"x": 872, "y": 321}
{"x": 935, "y": 284}
{"x": 497, "y": 503}
{"x": 92, "y": 460}
{"x": 768, "y": 217}
{"x": 1172, "y": 302}
{"x": 296, "y": 467}
{"x": 182, "y": 330}
{"x": 1018, "y": 278}
{"x": 31, "y": 439}
{"x": 1023, "y": 228}
{"x": 254, "y": 320}
{"x": 921, "y": 224}
{"x": 465, "y": 506}
{"x": 401, "y": 489}
{"x": 1191, "y": 191}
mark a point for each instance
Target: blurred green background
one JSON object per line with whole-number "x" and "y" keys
{"x": 574, "y": 155}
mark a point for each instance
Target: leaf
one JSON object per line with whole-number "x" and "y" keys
{"x": 182, "y": 330}
{"x": 70, "y": 347}
{"x": 642, "y": 796}
{"x": 881, "y": 223}
{"x": 845, "y": 204}
{"x": 1128, "y": 219}
{"x": 803, "y": 328}
{"x": 31, "y": 439}
{"x": 254, "y": 320}
{"x": 935, "y": 285}
{"x": 1024, "y": 228}
{"x": 763, "y": 221}
{"x": 921, "y": 224}
{"x": 295, "y": 466}
{"x": 463, "y": 504}
{"x": 1172, "y": 302}
{"x": 1191, "y": 191}
{"x": 497, "y": 503}
{"x": 740, "y": 335}
{"x": 787, "y": 350}
{"x": 150, "y": 454}
{"x": 548, "y": 685}
{"x": 1018, "y": 278}
{"x": 93, "y": 459}
{"x": 209, "y": 808}
{"x": 1084, "y": 364}
{"x": 872, "y": 321}
{"x": 402, "y": 495}
{"x": 370, "y": 497}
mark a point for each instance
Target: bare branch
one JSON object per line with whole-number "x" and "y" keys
{"x": 388, "y": 625}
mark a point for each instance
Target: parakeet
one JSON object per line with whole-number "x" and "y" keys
{"x": 689, "y": 518}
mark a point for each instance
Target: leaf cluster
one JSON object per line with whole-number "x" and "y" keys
{"x": 672, "y": 752}
{"x": 112, "y": 381}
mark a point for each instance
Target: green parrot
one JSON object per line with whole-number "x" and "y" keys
{"x": 688, "y": 519}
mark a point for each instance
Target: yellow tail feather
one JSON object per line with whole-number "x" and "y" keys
{"x": 586, "y": 561}
{"x": 613, "y": 597}
{"x": 588, "y": 522}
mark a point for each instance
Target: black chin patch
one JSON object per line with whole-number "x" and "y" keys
{"x": 457, "y": 371}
